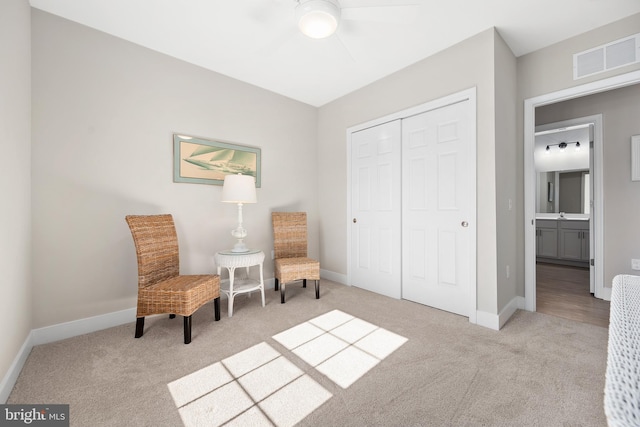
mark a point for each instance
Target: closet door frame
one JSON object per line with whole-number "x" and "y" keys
{"x": 465, "y": 95}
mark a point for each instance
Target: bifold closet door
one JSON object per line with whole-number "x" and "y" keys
{"x": 376, "y": 209}
{"x": 437, "y": 222}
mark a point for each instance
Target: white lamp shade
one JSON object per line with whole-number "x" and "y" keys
{"x": 239, "y": 189}
{"x": 317, "y": 18}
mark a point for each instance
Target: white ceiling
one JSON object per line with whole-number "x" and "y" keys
{"x": 257, "y": 41}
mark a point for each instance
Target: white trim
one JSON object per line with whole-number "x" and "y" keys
{"x": 464, "y": 95}
{"x": 488, "y": 320}
{"x": 82, "y": 326}
{"x": 10, "y": 378}
{"x": 517, "y": 303}
{"x": 530, "y": 105}
{"x": 596, "y": 222}
{"x": 268, "y": 284}
{"x": 333, "y": 276}
{"x": 497, "y": 321}
{"x": 59, "y": 332}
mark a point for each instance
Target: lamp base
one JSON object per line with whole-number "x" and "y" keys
{"x": 240, "y": 247}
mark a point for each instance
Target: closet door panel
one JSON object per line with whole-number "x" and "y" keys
{"x": 436, "y": 208}
{"x": 376, "y": 209}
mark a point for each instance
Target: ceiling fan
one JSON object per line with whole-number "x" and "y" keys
{"x": 319, "y": 19}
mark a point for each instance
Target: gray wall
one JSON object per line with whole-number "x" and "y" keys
{"x": 507, "y": 219}
{"x": 103, "y": 118}
{"x": 15, "y": 180}
{"x": 549, "y": 70}
{"x": 104, "y": 112}
{"x": 444, "y": 73}
{"x": 620, "y": 110}
{"x": 570, "y": 189}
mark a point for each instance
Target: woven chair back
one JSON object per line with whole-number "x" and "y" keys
{"x": 289, "y": 234}
{"x": 156, "y": 244}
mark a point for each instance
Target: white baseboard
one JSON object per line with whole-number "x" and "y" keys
{"x": 488, "y": 320}
{"x": 508, "y": 311}
{"x": 11, "y": 377}
{"x": 83, "y": 326}
{"x": 497, "y": 321}
{"x": 334, "y": 277}
{"x": 96, "y": 323}
{"x": 71, "y": 329}
{"x": 606, "y": 294}
{"x": 59, "y": 332}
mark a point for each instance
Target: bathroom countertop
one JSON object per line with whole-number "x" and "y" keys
{"x": 566, "y": 217}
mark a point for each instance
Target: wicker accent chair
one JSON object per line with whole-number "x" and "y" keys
{"x": 290, "y": 252}
{"x": 161, "y": 288}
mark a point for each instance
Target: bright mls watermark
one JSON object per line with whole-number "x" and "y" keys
{"x": 34, "y": 415}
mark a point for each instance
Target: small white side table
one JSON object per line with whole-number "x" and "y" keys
{"x": 240, "y": 285}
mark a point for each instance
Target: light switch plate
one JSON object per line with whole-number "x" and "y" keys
{"x": 635, "y": 264}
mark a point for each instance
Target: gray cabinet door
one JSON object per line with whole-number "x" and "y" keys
{"x": 547, "y": 238}
{"x": 570, "y": 244}
{"x": 547, "y": 245}
{"x": 574, "y": 240}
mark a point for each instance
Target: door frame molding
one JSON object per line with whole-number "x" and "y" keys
{"x": 464, "y": 95}
{"x": 530, "y": 105}
{"x": 596, "y": 222}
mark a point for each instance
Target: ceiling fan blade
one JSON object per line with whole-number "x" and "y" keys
{"x": 397, "y": 14}
{"x": 344, "y": 46}
{"x": 268, "y": 11}
{"x": 281, "y": 42}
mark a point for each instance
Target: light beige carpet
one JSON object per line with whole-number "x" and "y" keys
{"x": 538, "y": 370}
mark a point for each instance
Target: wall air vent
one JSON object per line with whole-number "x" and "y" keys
{"x": 607, "y": 57}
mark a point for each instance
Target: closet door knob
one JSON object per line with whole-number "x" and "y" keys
{"x": 355, "y": 220}
{"x": 464, "y": 224}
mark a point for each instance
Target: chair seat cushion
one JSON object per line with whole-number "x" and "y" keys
{"x": 181, "y": 295}
{"x": 290, "y": 269}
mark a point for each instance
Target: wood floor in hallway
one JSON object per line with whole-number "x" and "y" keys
{"x": 564, "y": 292}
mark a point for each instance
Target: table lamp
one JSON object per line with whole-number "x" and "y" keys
{"x": 239, "y": 189}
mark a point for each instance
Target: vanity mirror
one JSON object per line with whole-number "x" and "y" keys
{"x": 562, "y": 170}
{"x": 566, "y": 191}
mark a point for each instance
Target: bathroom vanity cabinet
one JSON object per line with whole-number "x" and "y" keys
{"x": 563, "y": 241}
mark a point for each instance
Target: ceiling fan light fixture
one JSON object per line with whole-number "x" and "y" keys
{"x": 317, "y": 18}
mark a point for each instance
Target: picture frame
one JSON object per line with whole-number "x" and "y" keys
{"x": 204, "y": 161}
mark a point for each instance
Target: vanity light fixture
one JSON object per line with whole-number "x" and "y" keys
{"x": 562, "y": 146}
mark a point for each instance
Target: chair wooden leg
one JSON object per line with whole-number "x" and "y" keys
{"x": 275, "y": 288}
{"x": 282, "y": 294}
{"x": 139, "y": 326}
{"x": 304, "y": 283}
{"x": 187, "y": 329}
{"x": 317, "y": 289}
{"x": 172, "y": 316}
{"x": 216, "y": 308}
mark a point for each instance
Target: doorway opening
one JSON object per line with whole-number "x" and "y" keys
{"x": 530, "y": 105}
{"x": 564, "y": 167}
{"x": 567, "y": 197}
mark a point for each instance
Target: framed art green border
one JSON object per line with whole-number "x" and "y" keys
{"x": 204, "y": 161}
